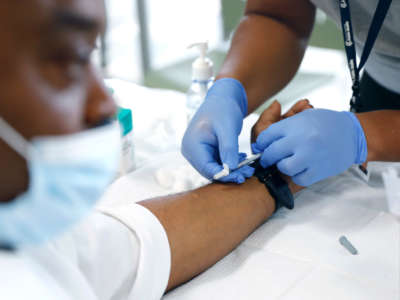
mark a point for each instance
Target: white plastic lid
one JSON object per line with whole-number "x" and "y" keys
{"x": 202, "y": 67}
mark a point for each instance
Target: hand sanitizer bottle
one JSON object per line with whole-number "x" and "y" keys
{"x": 202, "y": 80}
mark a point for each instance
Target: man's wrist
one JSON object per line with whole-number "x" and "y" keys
{"x": 293, "y": 188}
{"x": 261, "y": 193}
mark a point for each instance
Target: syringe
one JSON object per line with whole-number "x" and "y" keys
{"x": 246, "y": 162}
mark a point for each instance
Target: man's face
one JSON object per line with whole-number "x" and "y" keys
{"x": 47, "y": 84}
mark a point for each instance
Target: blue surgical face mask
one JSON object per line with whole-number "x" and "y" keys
{"x": 68, "y": 174}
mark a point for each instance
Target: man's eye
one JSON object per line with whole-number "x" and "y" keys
{"x": 81, "y": 57}
{"x": 67, "y": 66}
{"x": 77, "y": 59}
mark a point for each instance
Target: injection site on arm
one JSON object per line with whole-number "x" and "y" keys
{"x": 225, "y": 171}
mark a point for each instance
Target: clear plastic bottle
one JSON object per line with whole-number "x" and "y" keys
{"x": 202, "y": 80}
{"x": 196, "y": 95}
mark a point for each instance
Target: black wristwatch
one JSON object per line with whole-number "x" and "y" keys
{"x": 277, "y": 187}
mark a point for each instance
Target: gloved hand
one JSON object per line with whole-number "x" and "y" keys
{"x": 212, "y": 136}
{"x": 313, "y": 145}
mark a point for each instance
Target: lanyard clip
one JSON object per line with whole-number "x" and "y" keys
{"x": 356, "y": 88}
{"x": 355, "y": 102}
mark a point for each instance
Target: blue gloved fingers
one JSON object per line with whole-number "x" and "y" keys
{"x": 228, "y": 147}
{"x": 276, "y": 152}
{"x": 202, "y": 157}
{"x": 239, "y": 175}
{"x": 247, "y": 171}
{"x": 254, "y": 149}
{"x": 209, "y": 169}
{"x": 240, "y": 179}
{"x": 300, "y": 179}
{"x": 235, "y": 177}
{"x": 305, "y": 178}
{"x": 206, "y": 160}
{"x": 270, "y": 135}
{"x": 290, "y": 166}
{"x": 242, "y": 156}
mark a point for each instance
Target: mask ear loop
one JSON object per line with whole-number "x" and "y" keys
{"x": 17, "y": 142}
{"x": 14, "y": 139}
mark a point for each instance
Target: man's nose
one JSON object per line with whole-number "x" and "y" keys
{"x": 100, "y": 104}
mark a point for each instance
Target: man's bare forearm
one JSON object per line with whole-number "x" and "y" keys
{"x": 206, "y": 224}
{"x": 268, "y": 46}
{"x": 382, "y": 130}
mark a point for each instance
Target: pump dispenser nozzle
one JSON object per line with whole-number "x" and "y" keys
{"x": 203, "y": 67}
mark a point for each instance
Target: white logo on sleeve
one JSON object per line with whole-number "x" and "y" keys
{"x": 348, "y": 42}
{"x": 352, "y": 69}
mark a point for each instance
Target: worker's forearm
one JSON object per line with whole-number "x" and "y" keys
{"x": 206, "y": 224}
{"x": 264, "y": 57}
{"x": 382, "y": 130}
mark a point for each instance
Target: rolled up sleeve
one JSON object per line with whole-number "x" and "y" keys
{"x": 154, "y": 256}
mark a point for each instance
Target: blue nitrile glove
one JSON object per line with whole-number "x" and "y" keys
{"x": 313, "y": 145}
{"x": 212, "y": 136}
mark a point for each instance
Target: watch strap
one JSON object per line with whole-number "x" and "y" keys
{"x": 276, "y": 185}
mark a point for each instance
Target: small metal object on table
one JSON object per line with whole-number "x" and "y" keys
{"x": 349, "y": 246}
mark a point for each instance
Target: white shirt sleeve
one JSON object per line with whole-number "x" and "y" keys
{"x": 119, "y": 253}
{"x": 154, "y": 263}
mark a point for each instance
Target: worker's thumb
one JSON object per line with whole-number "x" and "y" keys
{"x": 228, "y": 150}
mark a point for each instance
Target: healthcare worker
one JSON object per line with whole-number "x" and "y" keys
{"x": 58, "y": 152}
{"x": 266, "y": 52}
